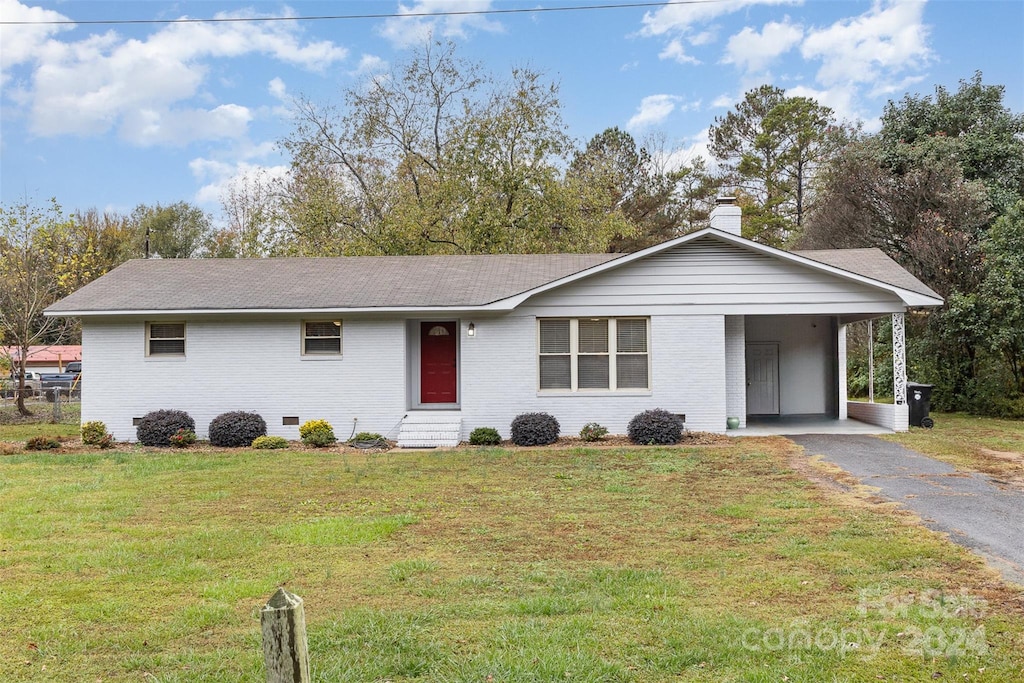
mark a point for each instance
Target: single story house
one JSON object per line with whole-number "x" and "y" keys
{"x": 44, "y": 359}
{"x": 426, "y": 348}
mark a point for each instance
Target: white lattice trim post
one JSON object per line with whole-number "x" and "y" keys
{"x": 843, "y": 396}
{"x": 899, "y": 360}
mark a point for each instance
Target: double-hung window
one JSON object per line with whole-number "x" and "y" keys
{"x": 586, "y": 354}
{"x": 165, "y": 339}
{"x": 321, "y": 338}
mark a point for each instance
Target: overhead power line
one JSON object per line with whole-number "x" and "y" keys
{"x": 382, "y": 15}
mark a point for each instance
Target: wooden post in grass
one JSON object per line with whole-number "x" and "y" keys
{"x": 285, "y": 651}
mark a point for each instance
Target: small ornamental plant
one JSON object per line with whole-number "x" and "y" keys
{"x": 93, "y": 432}
{"x": 157, "y": 428}
{"x": 655, "y": 426}
{"x": 269, "y": 442}
{"x": 42, "y": 443}
{"x": 593, "y": 432}
{"x": 183, "y": 438}
{"x": 484, "y": 436}
{"x": 235, "y": 429}
{"x": 317, "y": 433}
{"x": 367, "y": 436}
{"x": 106, "y": 441}
{"x": 534, "y": 429}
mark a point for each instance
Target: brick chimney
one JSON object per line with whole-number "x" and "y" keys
{"x": 727, "y": 216}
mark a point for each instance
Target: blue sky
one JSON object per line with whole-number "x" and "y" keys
{"x": 111, "y": 116}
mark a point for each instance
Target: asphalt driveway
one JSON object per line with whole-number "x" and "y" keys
{"x": 975, "y": 511}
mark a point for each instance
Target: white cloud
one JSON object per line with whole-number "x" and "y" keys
{"x": 724, "y": 101}
{"x": 369, "y": 64}
{"x": 21, "y": 43}
{"x": 277, "y": 89}
{"x": 703, "y": 38}
{"x": 654, "y": 109}
{"x": 675, "y": 50}
{"x": 410, "y": 31}
{"x": 888, "y": 39}
{"x": 753, "y": 51}
{"x": 146, "y": 127}
{"x": 681, "y": 18}
{"x": 217, "y": 176}
{"x": 684, "y": 155}
{"x": 138, "y": 86}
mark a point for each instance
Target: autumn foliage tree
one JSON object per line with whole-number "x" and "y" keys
{"x": 438, "y": 157}
{"x": 41, "y": 263}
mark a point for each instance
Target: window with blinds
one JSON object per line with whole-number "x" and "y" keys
{"x": 165, "y": 339}
{"x": 555, "y": 355}
{"x": 585, "y": 354}
{"x": 321, "y": 337}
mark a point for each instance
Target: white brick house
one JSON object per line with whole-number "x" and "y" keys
{"x": 709, "y": 325}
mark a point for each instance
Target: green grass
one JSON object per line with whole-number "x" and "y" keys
{"x": 16, "y": 427}
{"x": 636, "y": 564}
{"x": 968, "y": 442}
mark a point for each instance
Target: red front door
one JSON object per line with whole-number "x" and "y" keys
{"x": 438, "y": 376}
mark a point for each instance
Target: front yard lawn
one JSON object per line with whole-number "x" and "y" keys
{"x": 711, "y": 563}
{"x": 968, "y": 442}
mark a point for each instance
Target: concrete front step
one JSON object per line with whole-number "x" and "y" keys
{"x": 430, "y": 430}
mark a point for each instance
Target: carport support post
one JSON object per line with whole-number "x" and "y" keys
{"x": 901, "y": 411}
{"x": 843, "y": 382}
{"x": 285, "y": 650}
{"x": 871, "y": 361}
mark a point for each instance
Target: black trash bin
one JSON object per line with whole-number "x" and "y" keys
{"x": 919, "y": 399}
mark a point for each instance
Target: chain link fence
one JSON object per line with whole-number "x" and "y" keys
{"x": 57, "y": 405}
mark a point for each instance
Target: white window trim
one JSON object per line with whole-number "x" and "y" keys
{"x": 183, "y": 338}
{"x": 322, "y": 355}
{"x": 613, "y": 353}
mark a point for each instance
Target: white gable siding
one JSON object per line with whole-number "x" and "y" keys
{"x": 499, "y": 377}
{"x": 253, "y": 365}
{"x": 709, "y": 276}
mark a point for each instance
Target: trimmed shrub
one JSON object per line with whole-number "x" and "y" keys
{"x": 317, "y": 433}
{"x": 157, "y": 428}
{"x": 367, "y": 436}
{"x": 183, "y": 438}
{"x": 655, "y": 426}
{"x": 593, "y": 432}
{"x": 237, "y": 428}
{"x": 534, "y": 429}
{"x": 42, "y": 443}
{"x": 269, "y": 442}
{"x": 485, "y": 436}
{"x": 93, "y": 432}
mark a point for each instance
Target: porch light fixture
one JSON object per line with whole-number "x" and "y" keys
{"x": 471, "y": 330}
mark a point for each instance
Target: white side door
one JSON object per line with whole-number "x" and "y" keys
{"x": 763, "y": 378}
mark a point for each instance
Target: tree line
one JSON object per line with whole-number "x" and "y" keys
{"x": 438, "y": 156}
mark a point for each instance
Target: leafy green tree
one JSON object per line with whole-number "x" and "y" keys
{"x": 928, "y": 217}
{"x": 984, "y": 136}
{"x": 34, "y": 273}
{"x": 438, "y": 158}
{"x": 694, "y": 193}
{"x": 178, "y": 230}
{"x": 623, "y": 178}
{"x": 1002, "y": 291}
{"x": 770, "y": 145}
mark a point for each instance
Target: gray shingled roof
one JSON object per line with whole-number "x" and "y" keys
{"x": 385, "y": 282}
{"x": 313, "y": 283}
{"x": 872, "y": 263}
